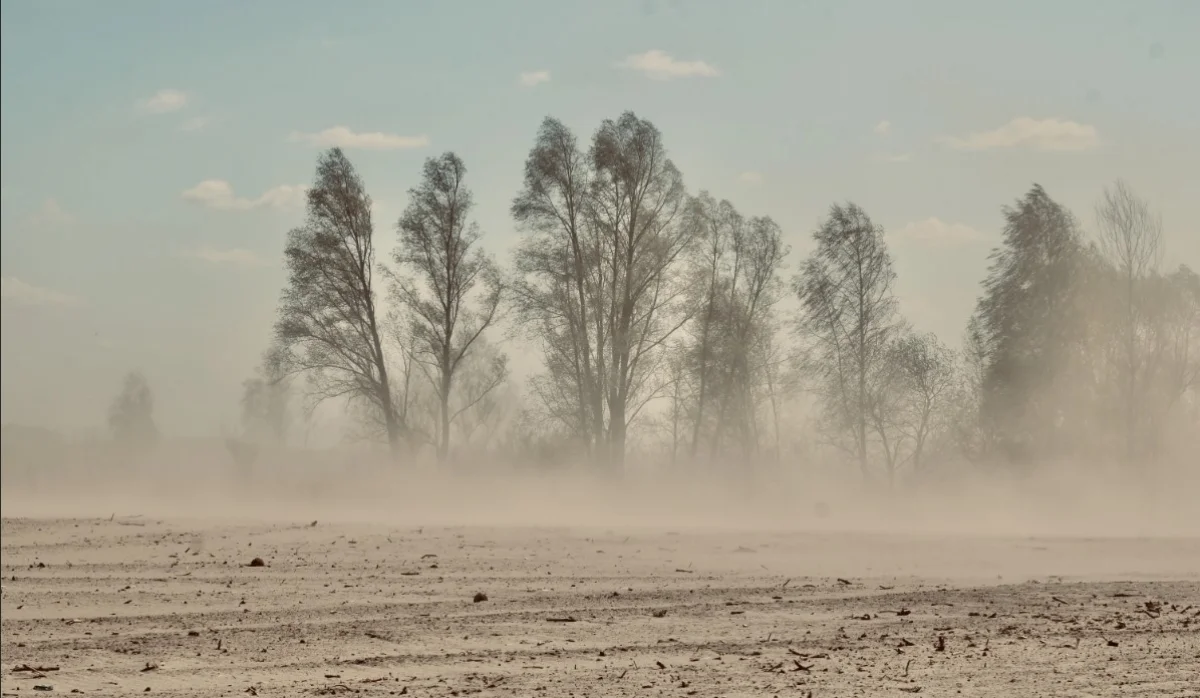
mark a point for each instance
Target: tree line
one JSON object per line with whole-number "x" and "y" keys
{"x": 657, "y": 315}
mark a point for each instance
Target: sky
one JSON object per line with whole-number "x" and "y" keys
{"x": 155, "y": 154}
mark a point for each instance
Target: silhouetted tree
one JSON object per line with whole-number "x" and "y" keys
{"x": 438, "y": 246}
{"x": 1030, "y": 326}
{"x": 848, "y": 319}
{"x": 328, "y": 326}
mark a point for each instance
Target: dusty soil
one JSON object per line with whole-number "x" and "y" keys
{"x": 133, "y": 605}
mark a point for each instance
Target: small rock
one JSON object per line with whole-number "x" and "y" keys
{"x": 257, "y": 562}
{"x": 480, "y": 597}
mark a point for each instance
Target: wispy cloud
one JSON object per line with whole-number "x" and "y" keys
{"x": 342, "y": 137}
{"x": 218, "y": 194}
{"x": 534, "y": 78}
{"x": 17, "y": 292}
{"x": 236, "y": 256}
{"x": 51, "y": 213}
{"x": 883, "y": 128}
{"x": 196, "y": 123}
{"x": 750, "y": 178}
{"x": 163, "y": 102}
{"x": 936, "y": 232}
{"x": 659, "y": 65}
{"x": 1036, "y": 134}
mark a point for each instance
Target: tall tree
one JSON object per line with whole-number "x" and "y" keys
{"x": 1131, "y": 241}
{"x": 438, "y": 246}
{"x": 637, "y": 195}
{"x": 557, "y": 282}
{"x": 735, "y": 290}
{"x": 328, "y": 324}
{"x": 598, "y": 283}
{"x": 1029, "y": 323}
{"x": 131, "y": 415}
{"x": 848, "y": 318}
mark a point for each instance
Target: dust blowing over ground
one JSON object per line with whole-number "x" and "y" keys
{"x": 684, "y": 354}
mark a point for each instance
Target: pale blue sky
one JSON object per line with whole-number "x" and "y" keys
{"x": 931, "y": 115}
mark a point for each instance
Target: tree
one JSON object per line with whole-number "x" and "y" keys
{"x": 1131, "y": 241}
{"x": 328, "y": 326}
{"x": 266, "y": 412}
{"x": 438, "y": 245}
{"x": 131, "y": 415}
{"x": 636, "y": 196}
{"x": 734, "y": 293}
{"x": 597, "y": 283}
{"x": 848, "y": 318}
{"x": 927, "y": 380}
{"x": 557, "y": 285}
{"x": 1031, "y": 327}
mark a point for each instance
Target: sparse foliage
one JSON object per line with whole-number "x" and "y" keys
{"x": 328, "y": 327}
{"x": 455, "y": 291}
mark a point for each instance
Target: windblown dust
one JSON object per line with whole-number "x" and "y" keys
{"x": 654, "y": 585}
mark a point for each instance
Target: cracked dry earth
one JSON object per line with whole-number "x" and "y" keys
{"x": 137, "y": 606}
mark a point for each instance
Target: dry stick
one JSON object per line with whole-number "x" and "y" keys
{"x": 906, "y": 666}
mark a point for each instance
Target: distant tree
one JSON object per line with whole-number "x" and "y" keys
{"x": 266, "y": 412}
{"x": 131, "y": 415}
{"x": 734, "y": 294}
{"x": 328, "y": 326}
{"x": 456, "y": 294}
{"x": 1131, "y": 241}
{"x": 848, "y": 320}
{"x": 1030, "y": 325}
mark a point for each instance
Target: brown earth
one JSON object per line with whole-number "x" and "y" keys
{"x": 127, "y": 606}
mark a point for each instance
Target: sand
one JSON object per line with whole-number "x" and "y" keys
{"x": 136, "y": 605}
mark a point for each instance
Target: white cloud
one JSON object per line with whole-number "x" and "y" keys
{"x": 18, "y": 292}
{"x": 342, "y": 137}
{"x": 1037, "y": 134}
{"x": 659, "y": 65}
{"x": 218, "y": 194}
{"x": 534, "y": 78}
{"x": 164, "y": 101}
{"x": 750, "y": 178}
{"x": 235, "y": 256}
{"x": 51, "y": 213}
{"x": 935, "y": 232}
{"x": 883, "y": 128}
{"x": 196, "y": 123}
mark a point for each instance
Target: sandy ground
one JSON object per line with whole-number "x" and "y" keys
{"x": 171, "y": 607}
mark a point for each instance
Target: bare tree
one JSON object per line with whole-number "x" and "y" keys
{"x": 637, "y": 195}
{"x": 437, "y": 245}
{"x": 131, "y": 415}
{"x": 266, "y": 397}
{"x": 597, "y": 283}
{"x": 848, "y": 318}
{"x": 928, "y": 380}
{"x": 328, "y": 326}
{"x": 557, "y": 284}
{"x": 1131, "y": 240}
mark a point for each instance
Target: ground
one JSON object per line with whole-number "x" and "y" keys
{"x": 132, "y": 605}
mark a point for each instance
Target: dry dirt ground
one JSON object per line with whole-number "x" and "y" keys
{"x": 130, "y": 606}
